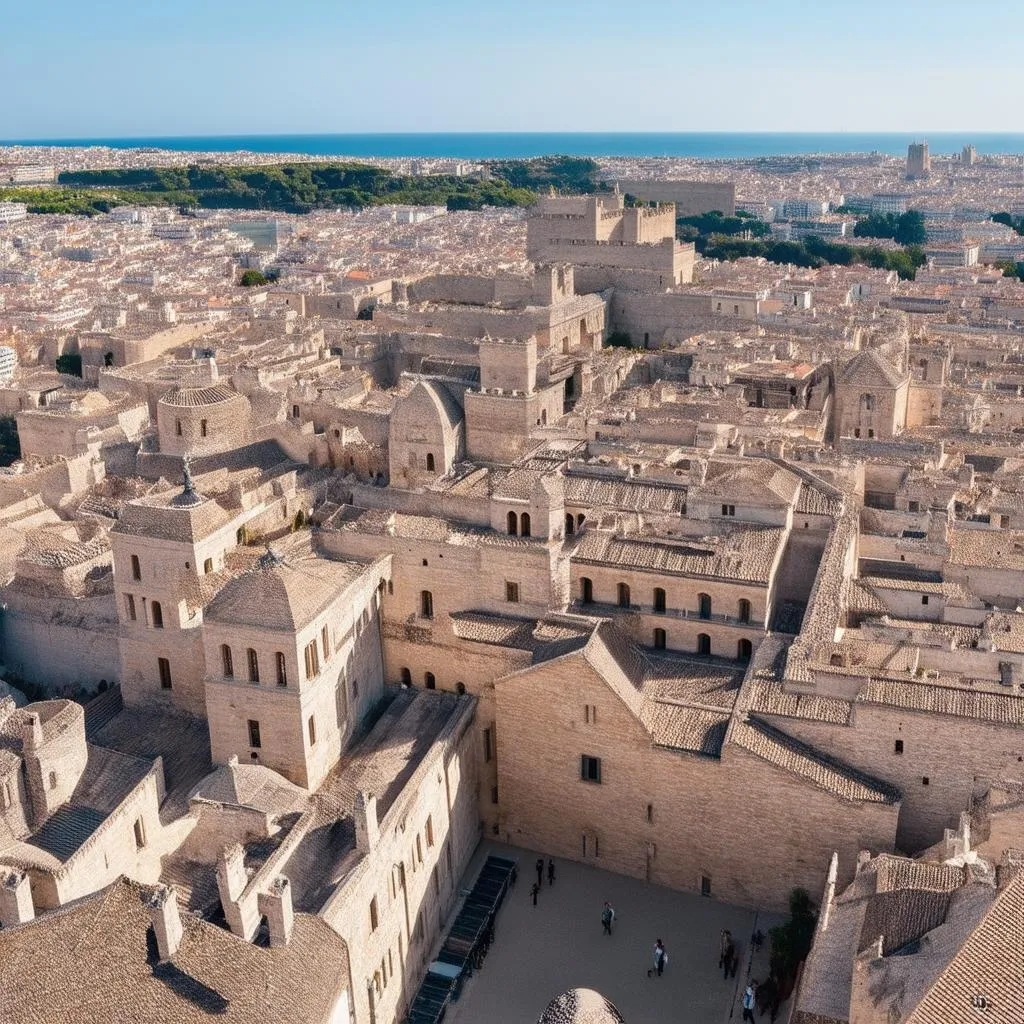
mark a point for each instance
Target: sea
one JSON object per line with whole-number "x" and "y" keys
{"x": 519, "y": 145}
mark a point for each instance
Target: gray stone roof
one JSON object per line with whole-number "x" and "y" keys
{"x": 869, "y": 369}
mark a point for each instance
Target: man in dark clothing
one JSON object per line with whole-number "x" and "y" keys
{"x": 534, "y": 889}
{"x": 551, "y": 872}
{"x": 607, "y": 917}
{"x": 540, "y": 871}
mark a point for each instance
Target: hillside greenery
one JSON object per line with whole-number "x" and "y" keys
{"x": 904, "y": 228}
{"x": 1017, "y": 223}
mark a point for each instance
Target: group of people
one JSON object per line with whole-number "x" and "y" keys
{"x": 539, "y": 884}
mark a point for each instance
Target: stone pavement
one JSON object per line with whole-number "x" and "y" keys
{"x": 540, "y": 952}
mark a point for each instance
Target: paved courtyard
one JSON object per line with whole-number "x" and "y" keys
{"x": 541, "y": 951}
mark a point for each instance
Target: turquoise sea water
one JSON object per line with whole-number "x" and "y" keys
{"x": 509, "y": 145}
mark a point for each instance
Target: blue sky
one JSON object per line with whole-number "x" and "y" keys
{"x": 128, "y": 68}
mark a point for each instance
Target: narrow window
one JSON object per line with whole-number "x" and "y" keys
{"x": 202, "y": 427}
{"x": 659, "y": 601}
{"x": 586, "y": 590}
{"x": 513, "y": 523}
{"x": 208, "y": 566}
{"x": 705, "y": 885}
{"x": 430, "y": 830}
{"x": 590, "y": 768}
{"x": 373, "y": 914}
{"x": 325, "y": 642}
{"x": 524, "y": 524}
{"x": 898, "y": 747}
{"x": 282, "y": 669}
{"x": 512, "y": 592}
{"x": 312, "y": 731}
{"x": 136, "y": 568}
{"x": 924, "y": 599}
{"x": 226, "y": 661}
{"x": 158, "y": 615}
{"x": 253, "y": 661}
{"x": 704, "y": 606}
{"x": 254, "y": 733}
{"x": 129, "y": 602}
{"x": 624, "y": 595}
{"x": 488, "y": 752}
{"x": 429, "y": 681}
{"x": 419, "y": 850}
{"x": 426, "y": 604}
{"x": 53, "y": 780}
{"x": 295, "y": 411}
{"x": 165, "y": 673}
{"x": 312, "y": 658}
{"x": 140, "y": 834}
{"x": 406, "y": 677}
{"x": 430, "y": 462}
{"x": 177, "y": 427}
{"x": 659, "y": 639}
{"x": 494, "y": 794}
{"x": 703, "y": 644}
{"x": 744, "y": 649}
{"x": 743, "y": 610}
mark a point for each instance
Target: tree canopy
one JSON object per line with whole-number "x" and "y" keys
{"x": 904, "y": 228}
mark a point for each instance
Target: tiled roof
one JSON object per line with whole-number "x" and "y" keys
{"x": 1002, "y": 708}
{"x": 193, "y": 397}
{"x": 628, "y": 495}
{"x": 580, "y": 1006}
{"x": 770, "y": 698}
{"x": 94, "y": 960}
{"x": 870, "y": 369}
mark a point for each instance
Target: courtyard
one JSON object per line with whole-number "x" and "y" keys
{"x": 540, "y": 952}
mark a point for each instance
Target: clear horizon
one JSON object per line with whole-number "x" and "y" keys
{"x": 143, "y": 71}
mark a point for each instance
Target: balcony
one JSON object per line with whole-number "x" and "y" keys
{"x": 608, "y": 609}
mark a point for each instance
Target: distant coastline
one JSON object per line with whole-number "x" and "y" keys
{"x": 518, "y": 145}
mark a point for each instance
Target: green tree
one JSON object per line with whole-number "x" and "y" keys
{"x": 791, "y": 941}
{"x": 253, "y": 279}
{"x": 70, "y": 363}
{"x": 910, "y": 228}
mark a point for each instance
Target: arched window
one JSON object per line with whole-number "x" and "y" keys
{"x": 580, "y": 520}
{"x": 460, "y": 689}
{"x": 659, "y": 639}
{"x": 524, "y": 524}
{"x": 158, "y": 615}
{"x": 624, "y": 595}
{"x": 744, "y": 649}
{"x": 282, "y": 669}
{"x": 225, "y": 657}
{"x": 703, "y": 644}
{"x": 426, "y": 604}
{"x": 570, "y": 524}
{"x": 586, "y": 590}
{"x": 704, "y": 606}
{"x": 254, "y": 665}
{"x": 513, "y": 524}
{"x": 869, "y": 402}
{"x": 53, "y": 780}
{"x": 406, "y": 677}
{"x": 743, "y": 610}
{"x": 659, "y": 600}
{"x": 429, "y": 681}
{"x": 430, "y": 462}
{"x": 136, "y": 568}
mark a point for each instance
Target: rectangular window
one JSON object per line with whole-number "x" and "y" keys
{"x": 165, "y": 673}
{"x": 898, "y": 747}
{"x": 590, "y": 768}
{"x": 282, "y": 669}
{"x": 325, "y": 641}
{"x": 494, "y": 794}
{"x": 136, "y": 568}
{"x": 208, "y": 566}
{"x": 202, "y": 427}
{"x": 650, "y": 814}
{"x": 254, "y": 734}
{"x": 705, "y": 885}
{"x": 924, "y": 599}
{"x": 487, "y": 745}
{"x": 590, "y": 714}
{"x": 312, "y": 731}
{"x": 312, "y": 660}
{"x": 728, "y": 510}
{"x": 429, "y": 829}
{"x": 925, "y": 780}
{"x": 140, "y": 834}
{"x": 374, "y": 919}
{"x": 448, "y": 858}
{"x": 512, "y": 592}
{"x": 129, "y": 603}
{"x": 419, "y": 850}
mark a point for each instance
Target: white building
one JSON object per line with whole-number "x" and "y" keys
{"x": 11, "y": 212}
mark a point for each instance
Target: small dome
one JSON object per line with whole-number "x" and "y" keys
{"x": 581, "y": 1006}
{"x": 191, "y": 397}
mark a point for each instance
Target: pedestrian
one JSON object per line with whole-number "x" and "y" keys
{"x": 749, "y": 1002}
{"x": 607, "y": 917}
{"x": 551, "y": 871}
{"x": 724, "y": 942}
{"x": 540, "y": 870}
{"x": 729, "y": 956}
{"x": 660, "y": 957}
{"x": 534, "y": 889}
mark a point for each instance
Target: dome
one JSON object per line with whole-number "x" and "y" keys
{"x": 193, "y": 397}
{"x": 581, "y": 1006}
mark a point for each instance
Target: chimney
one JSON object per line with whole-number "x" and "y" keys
{"x": 32, "y": 736}
{"x": 242, "y": 916}
{"x": 276, "y": 907}
{"x": 367, "y": 829}
{"x": 16, "y": 900}
{"x": 163, "y": 913}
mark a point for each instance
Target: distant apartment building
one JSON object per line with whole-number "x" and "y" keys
{"x": 968, "y": 156}
{"x": 11, "y": 212}
{"x": 27, "y": 174}
{"x": 692, "y": 198}
{"x": 919, "y": 163}
{"x": 964, "y": 255}
{"x": 800, "y": 209}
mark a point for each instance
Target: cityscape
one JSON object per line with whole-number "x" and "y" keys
{"x": 510, "y": 577}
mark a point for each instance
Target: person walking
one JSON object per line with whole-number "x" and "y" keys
{"x": 660, "y": 957}
{"x": 540, "y": 871}
{"x": 749, "y": 1002}
{"x": 607, "y": 917}
{"x": 724, "y": 947}
{"x": 534, "y": 889}
{"x": 551, "y": 871}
